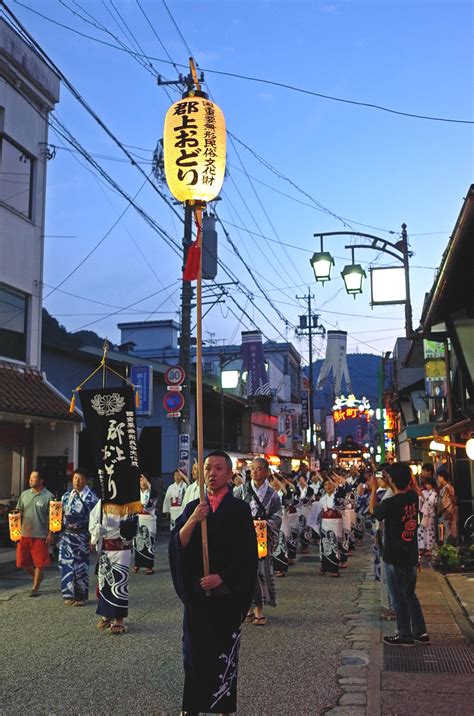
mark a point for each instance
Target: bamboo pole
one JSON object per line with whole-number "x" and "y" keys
{"x": 199, "y": 406}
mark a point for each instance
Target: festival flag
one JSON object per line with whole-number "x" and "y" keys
{"x": 109, "y": 415}
{"x": 254, "y": 363}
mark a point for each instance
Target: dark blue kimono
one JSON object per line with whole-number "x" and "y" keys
{"x": 211, "y": 627}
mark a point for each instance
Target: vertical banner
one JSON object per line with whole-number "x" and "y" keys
{"x": 109, "y": 414}
{"x": 254, "y": 363}
{"x": 184, "y": 442}
{"x": 142, "y": 378}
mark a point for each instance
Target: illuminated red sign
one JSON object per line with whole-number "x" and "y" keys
{"x": 349, "y": 414}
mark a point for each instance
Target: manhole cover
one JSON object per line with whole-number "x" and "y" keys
{"x": 429, "y": 659}
{"x": 308, "y": 559}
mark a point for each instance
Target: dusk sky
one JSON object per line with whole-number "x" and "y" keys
{"x": 363, "y": 164}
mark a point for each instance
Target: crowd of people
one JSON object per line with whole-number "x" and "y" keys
{"x": 334, "y": 509}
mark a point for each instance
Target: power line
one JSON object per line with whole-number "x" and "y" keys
{"x": 178, "y": 30}
{"x": 131, "y": 305}
{"x": 75, "y": 143}
{"x": 157, "y": 36}
{"x": 260, "y": 80}
{"x": 94, "y": 249}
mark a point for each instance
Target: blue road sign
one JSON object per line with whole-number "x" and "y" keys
{"x": 142, "y": 378}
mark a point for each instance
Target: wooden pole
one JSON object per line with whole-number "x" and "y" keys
{"x": 199, "y": 407}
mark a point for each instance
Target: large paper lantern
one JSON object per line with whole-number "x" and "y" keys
{"x": 261, "y": 532}
{"x": 14, "y": 523}
{"x": 194, "y": 144}
{"x": 55, "y": 515}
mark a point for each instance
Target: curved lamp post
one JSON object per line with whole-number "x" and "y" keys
{"x": 353, "y": 274}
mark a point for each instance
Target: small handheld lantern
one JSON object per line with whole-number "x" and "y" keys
{"x": 261, "y": 532}
{"x": 55, "y": 515}
{"x": 14, "y": 523}
{"x": 194, "y": 146}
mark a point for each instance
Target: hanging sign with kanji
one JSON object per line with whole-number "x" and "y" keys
{"x": 109, "y": 414}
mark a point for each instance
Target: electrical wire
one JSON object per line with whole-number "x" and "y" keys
{"x": 259, "y": 80}
{"x": 80, "y": 99}
{"x": 96, "y": 246}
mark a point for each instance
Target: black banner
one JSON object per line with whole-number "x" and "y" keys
{"x": 110, "y": 419}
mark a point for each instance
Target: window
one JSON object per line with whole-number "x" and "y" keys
{"x": 15, "y": 177}
{"x": 13, "y": 314}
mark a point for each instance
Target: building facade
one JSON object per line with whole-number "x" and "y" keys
{"x": 36, "y": 428}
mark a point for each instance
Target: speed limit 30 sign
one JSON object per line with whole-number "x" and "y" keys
{"x": 174, "y": 375}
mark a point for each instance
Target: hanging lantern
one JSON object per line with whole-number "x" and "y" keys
{"x": 261, "y": 532}
{"x": 194, "y": 144}
{"x": 55, "y": 515}
{"x": 470, "y": 448}
{"x": 14, "y": 523}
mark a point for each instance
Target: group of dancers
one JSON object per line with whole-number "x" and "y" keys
{"x": 328, "y": 508}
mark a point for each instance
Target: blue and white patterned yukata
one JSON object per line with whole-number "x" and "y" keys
{"x": 74, "y": 549}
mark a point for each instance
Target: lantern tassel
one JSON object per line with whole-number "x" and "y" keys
{"x": 193, "y": 263}
{"x": 137, "y": 398}
{"x": 72, "y": 404}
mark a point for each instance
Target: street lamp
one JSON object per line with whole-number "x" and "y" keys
{"x": 353, "y": 276}
{"x": 322, "y": 263}
{"x": 470, "y": 448}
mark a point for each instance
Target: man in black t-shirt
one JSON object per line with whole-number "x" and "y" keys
{"x": 400, "y": 554}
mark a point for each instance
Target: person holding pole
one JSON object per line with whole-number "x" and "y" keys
{"x": 214, "y": 605}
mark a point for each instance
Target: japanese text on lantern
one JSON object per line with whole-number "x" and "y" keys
{"x": 210, "y": 141}
{"x": 187, "y": 141}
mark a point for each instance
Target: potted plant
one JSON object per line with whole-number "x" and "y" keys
{"x": 446, "y": 558}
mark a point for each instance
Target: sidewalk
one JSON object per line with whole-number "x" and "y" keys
{"x": 435, "y": 679}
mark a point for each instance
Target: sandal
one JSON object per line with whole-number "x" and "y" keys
{"x": 149, "y": 571}
{"x": 136, "y": 569}
{"x": 260, "y": 621}
{"x": 104, "y": 623}
{"x": 69, "y": 602}
{"x": 250, "y": 617}
{"x": 280, "y": 574}
{"x": 118, "y": 629}
{"x": 80, "y": 603}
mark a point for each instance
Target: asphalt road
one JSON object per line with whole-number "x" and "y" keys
{"x": 55, "y": 660}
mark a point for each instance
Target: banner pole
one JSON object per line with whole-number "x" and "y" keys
{"x": 199, "y": 406}
{"x": 105, "y": 348}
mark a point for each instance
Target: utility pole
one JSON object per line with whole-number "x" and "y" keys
{"x": 186, "y": 83}
{"x": 185, "y": 332}
{"x": 309, "y": 326}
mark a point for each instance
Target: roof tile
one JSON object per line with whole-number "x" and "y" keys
{"x": 24, "y": 391}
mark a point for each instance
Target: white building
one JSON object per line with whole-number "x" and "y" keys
{"x": 36, "y": 428}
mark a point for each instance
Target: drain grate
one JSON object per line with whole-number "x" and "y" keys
{"x": 429, "y": 659}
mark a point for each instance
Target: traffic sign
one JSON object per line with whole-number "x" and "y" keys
{"x": 173, "y": 401}
{"x": 174, "y": 375}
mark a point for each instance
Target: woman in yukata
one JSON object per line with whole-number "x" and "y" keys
{"x": 427, "y": 527}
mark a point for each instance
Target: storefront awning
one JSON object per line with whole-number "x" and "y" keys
{"x": 422, "y": 430}
{"x": 24, "y": 391}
